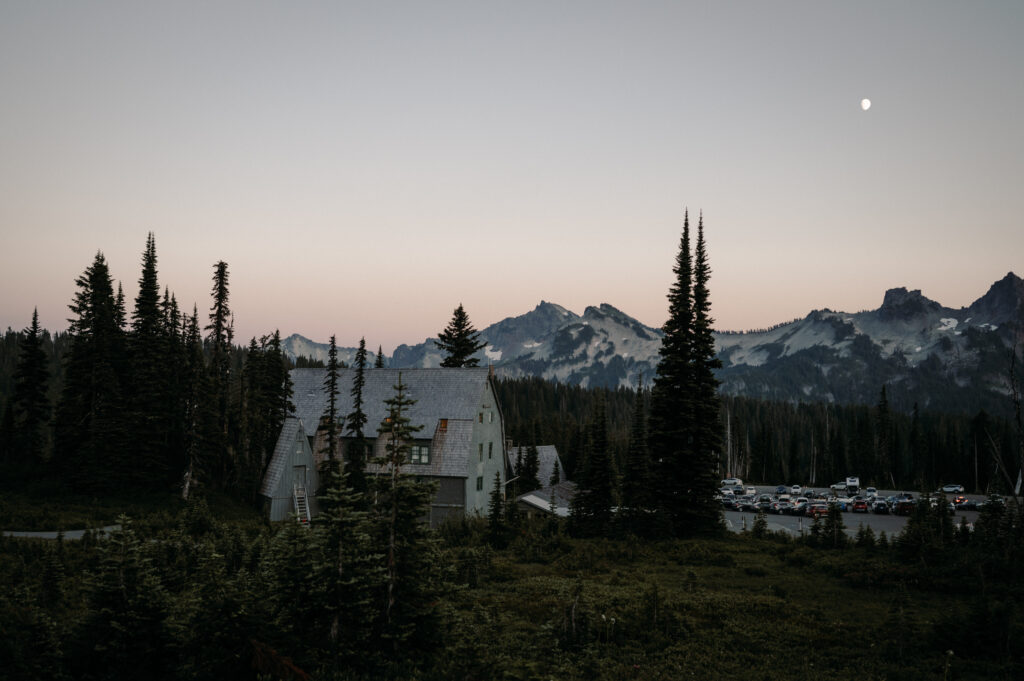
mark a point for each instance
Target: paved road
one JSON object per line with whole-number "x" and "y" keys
{"x": 890, "y": 524}
{"x": 70, "y": 534}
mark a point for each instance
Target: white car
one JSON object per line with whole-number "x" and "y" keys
{"x": 953, "y": 489}
{"x": 731, "y": 482}
{"x": 751, "y": 490}
{"x": 796, "y": 490}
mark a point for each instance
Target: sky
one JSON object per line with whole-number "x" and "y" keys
{"x": 365, "y": 167}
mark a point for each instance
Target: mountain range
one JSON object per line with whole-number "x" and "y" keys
{"x": 940, "y": 358}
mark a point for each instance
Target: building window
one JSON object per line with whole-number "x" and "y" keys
{"x": 490, "y": 449}
{"x": 442, "y": 425}
{"x": 479, "y": 483}
{"x": 481, "y": 417}
{"x": 419, "y": 454}
{"x": 490, "y": 417}
{"x": 481, "y": 451}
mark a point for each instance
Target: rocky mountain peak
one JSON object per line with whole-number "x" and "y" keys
{"x": 901, "y": 304}
{"x": 1003, "y": 302}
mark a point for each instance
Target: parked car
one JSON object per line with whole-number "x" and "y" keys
{"x": 959, "y": 500}
{"x": 751, "y": 490}
{"x": 871, "y": 492}
{"x": 731, "y": 482}
{"x": 903, "y": 506}
{"x": 880, "y": 507}
{"x": 795, "y": 490}
{"x": 817, "y": 510}
{"x": 952, "y": 489}
{"x": 860, "y": 506}
{"x": 992, "y": 502}
{"x": 781, "y": 489}
{"x": 838, "y": 487}
{"x": 798, "y": 507}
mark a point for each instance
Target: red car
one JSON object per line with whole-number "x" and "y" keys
{"x": 860, "y": 506}
{"x": 817, "y": 510}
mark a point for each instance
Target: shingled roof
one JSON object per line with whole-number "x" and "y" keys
{"x": 285, "y": 441}
{"x": 546, "y": 457}
{"x": 439, "y": 394}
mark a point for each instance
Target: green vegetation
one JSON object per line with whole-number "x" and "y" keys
{"x": 198, "y": 597}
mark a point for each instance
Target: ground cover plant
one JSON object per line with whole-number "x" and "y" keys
{"x": 199, "y": 597}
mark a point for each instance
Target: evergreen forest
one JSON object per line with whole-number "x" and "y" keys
{"x": 154, "y": 424}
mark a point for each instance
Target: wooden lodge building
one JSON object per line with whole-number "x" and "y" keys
{"x": 461, "y": 444}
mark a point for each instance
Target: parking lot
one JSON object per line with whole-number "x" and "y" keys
{"x": 891, "y": 524}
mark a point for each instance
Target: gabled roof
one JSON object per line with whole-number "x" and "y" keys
{"x": 540, "y": 499}
{"x": 282, "y": 452}
{"x": 439, "y": 394}
{"x": 546, "y": 457}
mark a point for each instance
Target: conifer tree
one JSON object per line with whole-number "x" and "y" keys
{"x": 30, "y": 406}
{"x": 331, "y": 467}
{"x": 409, "y": 619}
{"x": 707, "y": 428}
{"x": 637, "y": 498}
{"x": 496, "y": 513}
{"x": 125, "y": 629}
{"x": 556, "y": 475}
{"x": 379, "y": 362}
{"x": 148, "y": 406}
{"x": 198, "y": 420}
{"x": 351, "y": 571}
{"x": 355, "y": 422}
{"x": 596, "y": 495}
{"x": 90, "y": 447}
{"x": 218, "y": 344}
{"x": 671, "y": 419}
{"x": 460, "y": 341}
{"x": 883, "y": 438}
{"x": 531, "y": 468}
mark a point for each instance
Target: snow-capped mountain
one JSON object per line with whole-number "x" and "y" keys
{"x": 923, "y": 352}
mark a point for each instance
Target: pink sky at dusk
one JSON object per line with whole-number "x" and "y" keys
{"x": 364, "y": 168}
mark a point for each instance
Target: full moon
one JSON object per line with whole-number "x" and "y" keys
{"x": 865, "y": 104}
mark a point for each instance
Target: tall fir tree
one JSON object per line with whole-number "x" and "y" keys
{"x": 355, "y": 423}
{"x": 330, "y": 468}
{"x": 90, "y": 449}
{"x": 671, "y": 418}
{"x": 597, "y": 495}
{"x": 410, "y": 617}
{"x": 637, "y": 497}
{"x": 351, "y": 571}
{"x": 148, "y": 413}
{"x": 30, "y": 406}
{"x": 197, "y": 416}
{"x": 530, "y": 470}
{"x": 705, "y": 511}
{"x": 460, "y": 341}
{"x": 379, "y": 362}
{"x": 884, "y": 439}
{"x": 218, "y": 345}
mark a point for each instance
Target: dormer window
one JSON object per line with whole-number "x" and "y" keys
{"x": 442, "y": 425}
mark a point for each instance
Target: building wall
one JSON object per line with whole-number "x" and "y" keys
{"x": 486, "y": 455}
{"x": 281, "y": 503}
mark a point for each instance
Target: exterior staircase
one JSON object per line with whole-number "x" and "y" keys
{"x": 301, "y": 504}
